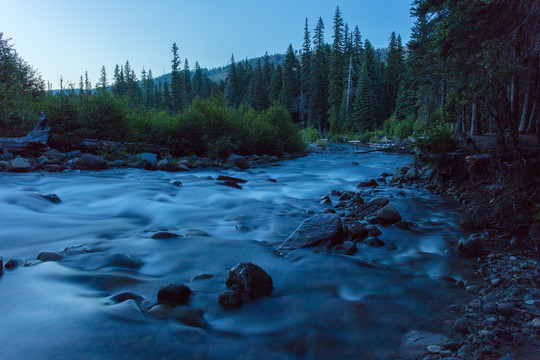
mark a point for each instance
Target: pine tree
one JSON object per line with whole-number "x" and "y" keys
{"x": 197, "y": 84}
{"x": 305, "y": 75}
{"x": 319, "y": 79}
{"x": 336, "y": 75}
{"x": 233, "y": 87}
{"x": 177, "y": 86}
{"x": 290, "y": 90}
{"x": 102, "y": 85}
{"x": 258, "y": 97}
{"x": 150, "y": 99}
{"x": 393, "y": 73}
{"x": 275, "y": 85}
{"x": 188, "y": 93}
{"x": 366, "y": 109}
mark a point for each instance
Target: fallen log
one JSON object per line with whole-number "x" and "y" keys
{"x": 35, "y": 141}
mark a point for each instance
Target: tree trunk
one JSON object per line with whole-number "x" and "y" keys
{"x": 475, "y": 122}
{"x": 533, "y": 118}
{"x": 524, "y": 119}
{"x": 459, "y": 124}
{"x": 35, "y": 141}
{"x": 349, "y": 83}
{"x": 443, "y": 98}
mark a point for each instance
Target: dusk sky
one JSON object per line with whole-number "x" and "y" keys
{"x": 68, "y": 37}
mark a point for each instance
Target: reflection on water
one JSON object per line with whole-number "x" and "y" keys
{"x": 323, "y": 305}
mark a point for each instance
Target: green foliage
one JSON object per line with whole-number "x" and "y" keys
{"x": 402, "y": 129}
{"x": 438, "y": 140}
{"x": 310, "y": 134}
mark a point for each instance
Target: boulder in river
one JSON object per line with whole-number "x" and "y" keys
{"x": 230, "y": 178}
{"x": 318, "y": 230}
{"x": 249, "y": 281}
{"x": 148, "y": 157}
{"x": 52, "y": 198}
{"x": 230, "y": 298}
{"x": 1, "y": 264}
{"x": 389, "y": 215}
{"x": 90, "y": 162}
{"x": 164, "y": 235}
{"x": 49, "y": 256}
{"x": 413, "y": 174}
{"x": 174, "y": 294}
{"x": 378, "y": 201}
{"x": 230, "y": 184}
{"x": 367, "y": 183}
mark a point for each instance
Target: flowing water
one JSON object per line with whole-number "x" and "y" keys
{"x": 323, "y": 305}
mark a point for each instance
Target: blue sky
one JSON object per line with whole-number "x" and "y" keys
{"x": 68, "y": 37}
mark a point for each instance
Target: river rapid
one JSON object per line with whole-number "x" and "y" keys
{"x": 324, "y": 305}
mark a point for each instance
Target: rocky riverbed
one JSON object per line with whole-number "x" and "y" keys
{"x": 87, "y": 266}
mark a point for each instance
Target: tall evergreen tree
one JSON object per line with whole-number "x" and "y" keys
{"x": 394, "y": 70}
{"x": 177, "y": 86}
{"x": 197, "y": 85}
{"x": 306, "y": 75}
{"x": 233, "y": 87}
{"x": 290, "y": 90}
{"x": 258, "y": 97}
{"x": 187, "y": 83}
{"x": 275, "y": 85}
{"x": 319, "y": 79}
{"x": 102, "y": 85}
{"x": 336, "y": 74}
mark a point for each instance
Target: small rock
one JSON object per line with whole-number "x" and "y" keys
{"x": 357, "y": 199}
{"x": 349, "y": 247}
{"x": 505, "y": 309}
{"x": 176, "y": 183}
{"x": 388, "y": 214}
{"x": 1, "y": 264}
{"x": 434, "y": 349}
{"x": 345, "y": 197}
{"x": 236, "y": 161}
{"x": 373, "y": 241}
{"x": 231, "y": 184}
{"x": 174, "y": 294}
{"x": 230, "y": 298}
{"x": 414, "y": 344}
{"x": 164, "y": 235}
{"x": 535, "y": 323}
{"x": 230, "y": 178}
{"x": 54, "y": 154}
{"x": 461, "y": 325}
{"x": 49, "y": 256}
{"x": 374, "y": 231}
{"x": 159, "y": 311}
{"x": 19, "y": 165}
{"x": 367, "y": 183}
{"x": 90, "y": 162}
{"x": 471, "y": 246}
{"x": 52, "y": 198}
{"x": 72, "y": 155}
{"x": 165, "y": 165}
{"x": 13, "y": 263}
{"x": 148, "y": 157}
{"x": 378, "y": 201}
{"x": 249, "y": 280}
{"x": 202, "y": 277}
{"x": 403, "y": 224}
{"x": 125, "y": 296}
{"x": 413, "y": 174}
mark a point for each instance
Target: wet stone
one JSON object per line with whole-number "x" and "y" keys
{"x": 230, "y": 184}
{"x": 388, "y": 214}
{"x": 49, "y": 256}
{"x": 13, "y": 263}
{"x": 230, "y": 178}
{"x": 367, "y": 183}
{"x": 505, "y": 309}
{"x": 125, "y": 296}
{"x": 461, "y": 325}
{"x": 1, "y": 264}
{"x": 174, "y": 294}
{"x": 250, "y": 281}
{"x": 164, "y": 235}
{"x": 52, "y": 198}
{"x": 230, "y": 298}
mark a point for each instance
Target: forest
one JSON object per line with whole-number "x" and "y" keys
{"x": 469, "y": 67}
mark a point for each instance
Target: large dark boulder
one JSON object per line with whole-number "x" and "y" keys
{"x": 321, "y": 229}
{"x": 471, "y": 246}
{"x": 90, "y": 162}
{"x": 249, "y": 281}
{"x": 174, "y": 294}
{"x": 236, "y": 161}
{"x": 388, "y": 215}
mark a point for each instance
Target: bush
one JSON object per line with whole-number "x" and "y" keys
{"x": 438, "y": 140}
{"x": 310, "y": 134}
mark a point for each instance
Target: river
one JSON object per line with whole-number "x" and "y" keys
{"x": 323, "y": 305}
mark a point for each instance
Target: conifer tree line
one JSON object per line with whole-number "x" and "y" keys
{"x": 344, "y": 87}
{"x": 471, "y": 64}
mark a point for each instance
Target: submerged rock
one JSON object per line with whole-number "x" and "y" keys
{"x": 317, "y": 230}
{"x": 174, "y": 294}
{"x": 1, "y": 264}
{"x": 13, "y": 263}
{"x": 249, "y": 281}
{"x": 125, "y": 296}
{"x": 388, "y": 214}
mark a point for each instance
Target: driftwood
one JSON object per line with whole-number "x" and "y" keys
{"x": 36, "y": 140}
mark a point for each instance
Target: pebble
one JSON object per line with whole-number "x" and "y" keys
{"x": 505, "y": 309}
{"x": 434, "y": 349}
{"x": 174, "y": 294}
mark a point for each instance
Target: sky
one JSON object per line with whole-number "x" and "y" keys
{"x": 65, "y": 38}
